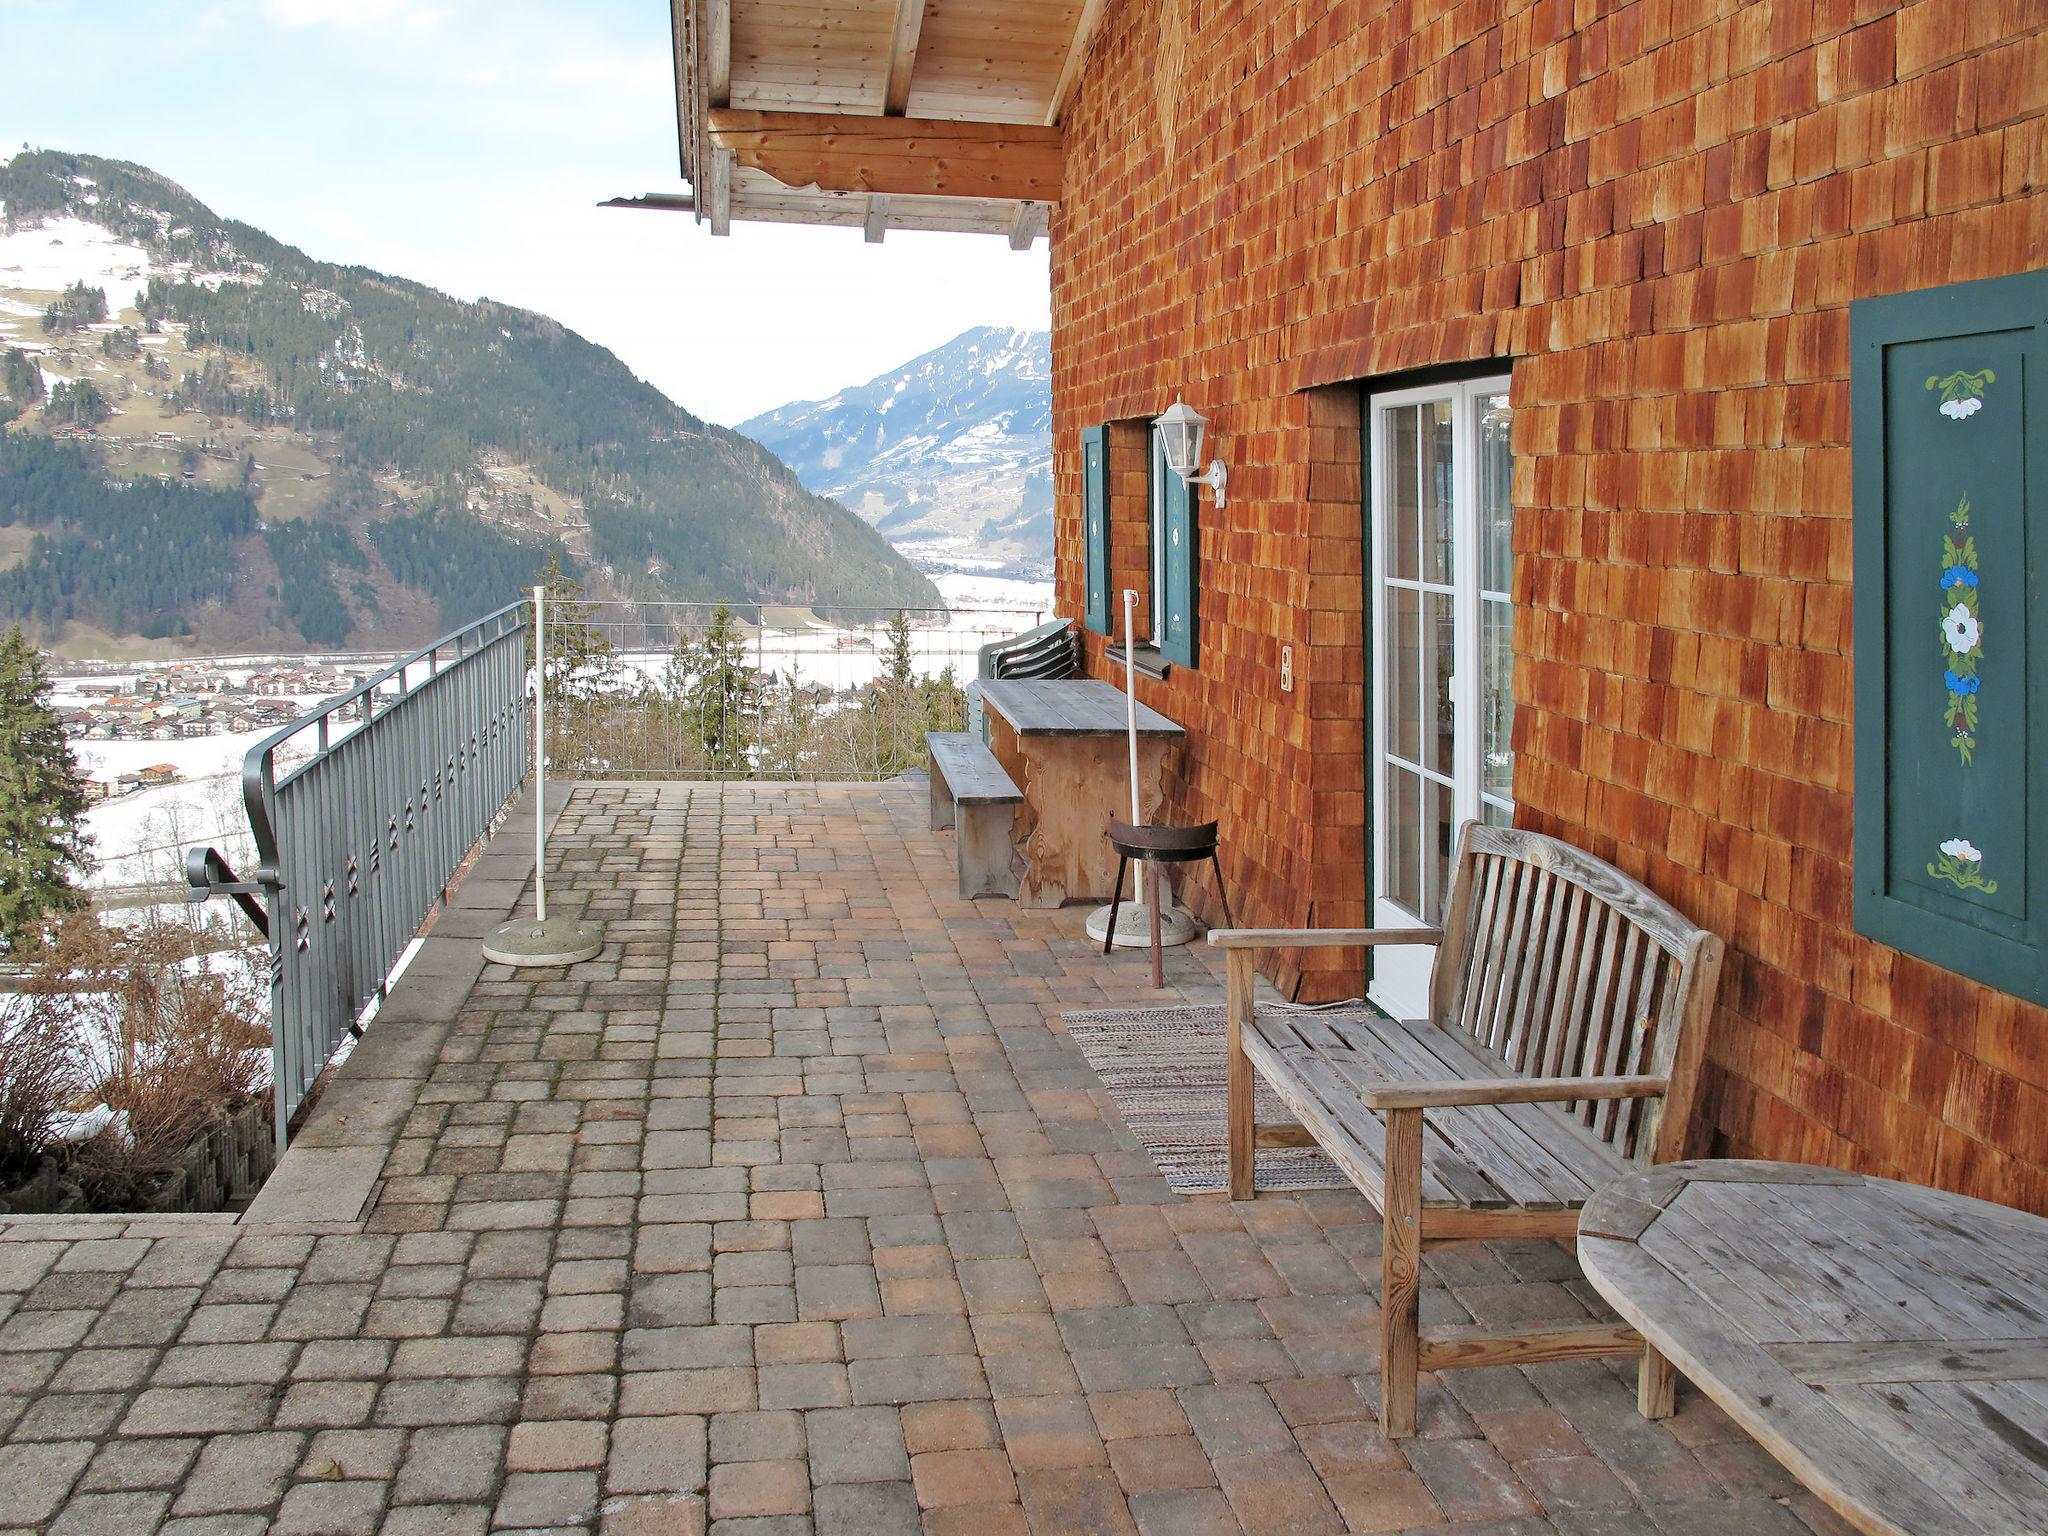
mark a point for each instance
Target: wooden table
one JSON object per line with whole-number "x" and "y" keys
{"x": 1887, "y": 1343}
{"x": 1064, "y": 744}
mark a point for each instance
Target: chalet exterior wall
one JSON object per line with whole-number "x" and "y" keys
{"x": 1659, "y": 211}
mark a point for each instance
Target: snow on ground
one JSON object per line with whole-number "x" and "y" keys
{"x": 140, "y": 839}
{"x": 54, "y": 255}
{"x": 971, "y": 589}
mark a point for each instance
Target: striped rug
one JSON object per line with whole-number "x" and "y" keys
{"x": 1164, "y": 1069}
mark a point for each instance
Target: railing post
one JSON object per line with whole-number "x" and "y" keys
{"x": 540, "y": 755}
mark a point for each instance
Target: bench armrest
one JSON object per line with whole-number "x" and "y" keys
{"x": 1319, "y": 938}
{"x": 1452, "y": 1092}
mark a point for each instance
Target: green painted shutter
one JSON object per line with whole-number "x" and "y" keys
{"x": 1095, "y": 527}
{"x": 1950, "y": 398}
{"x": 1181, "y": 567}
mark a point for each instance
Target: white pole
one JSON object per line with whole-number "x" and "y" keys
{"x": 1131, "y": 694}
{"x": 540, "y": 758}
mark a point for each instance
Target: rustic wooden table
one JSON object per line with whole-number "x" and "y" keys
{"x": 1064, "y": 744}
{"x": 1888, "y": 1343}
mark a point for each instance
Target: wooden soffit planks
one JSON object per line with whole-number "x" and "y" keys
{"x": 911, "y": 157}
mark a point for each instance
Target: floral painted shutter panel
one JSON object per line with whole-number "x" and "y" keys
{"x": 1181, "y": 567}
{"x": 1095, "y": 528}
{"x": 1950, "y": 424}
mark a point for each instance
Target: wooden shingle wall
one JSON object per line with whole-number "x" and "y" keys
{"x": 1659, "y": 209}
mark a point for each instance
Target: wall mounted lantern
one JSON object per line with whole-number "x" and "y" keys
{"x": 1180, "y": 437}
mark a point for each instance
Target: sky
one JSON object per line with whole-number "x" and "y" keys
{"x": 466, "y": 145}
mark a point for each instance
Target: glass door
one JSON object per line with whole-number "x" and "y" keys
{"x": 1443, "y": 702}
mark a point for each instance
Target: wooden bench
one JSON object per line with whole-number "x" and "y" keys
{"x": 972, "y": 794}
{"x": 1569, "y": 1009}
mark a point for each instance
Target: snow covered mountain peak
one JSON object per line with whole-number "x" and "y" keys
{"x": 949, "y": 456}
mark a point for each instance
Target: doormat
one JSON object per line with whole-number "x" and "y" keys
{"x": 1164, "y": 1069}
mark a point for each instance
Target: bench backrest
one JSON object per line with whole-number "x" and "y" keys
{"x": 1566, "y": 967}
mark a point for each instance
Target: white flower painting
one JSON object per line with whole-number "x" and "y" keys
{"x": 1960, "y": 628}
{"x": 1961, "y": 410}
{"x": 1962, "y": 866}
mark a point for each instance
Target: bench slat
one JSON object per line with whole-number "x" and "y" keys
{"x": 1532, "y": 1140}
{"x": 1476, "y": 1156}
{"x": 973, "y": 775}
{"x": 1550, "y": 1126}
{"x": 1355, "y": 1053}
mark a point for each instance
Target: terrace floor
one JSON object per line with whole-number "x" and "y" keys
{"x": 793, "y": 1211}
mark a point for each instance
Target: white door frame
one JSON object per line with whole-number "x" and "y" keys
{"x": 1400, "y": 973}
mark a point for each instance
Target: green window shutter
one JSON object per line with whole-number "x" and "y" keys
{"x": 1949, "y": 391}
{"x": 1182, "y": 566}
{"x": 1095, "y": 527}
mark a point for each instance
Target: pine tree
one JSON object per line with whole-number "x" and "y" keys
{"x": 581, "y": 664}
{"x": 724, "y": 694}
{"x": 896, "y": 664}
{"x": 42, "y": 844}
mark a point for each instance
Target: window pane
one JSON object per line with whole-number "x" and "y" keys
{"x": 1439, "y": 638}
{"x": 1404, "y": 838}
{"x": 1496, "y": 493}
{"x": 1494, "y": 814}
{"x": 1440, "y": 833}
{"x": 1401, "y": 482}
{"x": 1497, "y": 698}
{"x": 1434, "y": 449}
{"x": 1404, "y": 673}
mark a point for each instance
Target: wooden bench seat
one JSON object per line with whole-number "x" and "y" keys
{"x": 972, "y": 794}
{"x": 1530, "y": 1157}
{"x": 1568, "y": 1015}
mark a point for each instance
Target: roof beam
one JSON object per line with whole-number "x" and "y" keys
{"x": 906, "y": 156}
{"x": 1025, "y": 226}
{"x": 719, "y": 209}
{"x": 660, "y": 202}
{"x": 1086, "y": 25}
{"x": 717, "y": 52}
{"x": 902, "y": 56}
{"x": 877, "y": 221}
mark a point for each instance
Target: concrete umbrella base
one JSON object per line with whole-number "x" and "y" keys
{"x": 527, "y": 941}
{"x": 1134, "y": 926}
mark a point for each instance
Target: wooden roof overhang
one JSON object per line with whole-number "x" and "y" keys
{"x": 875, "y": 114}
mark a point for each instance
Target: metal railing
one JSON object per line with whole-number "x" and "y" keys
{"x": 359, "y": 827}
{"x": 712, "y": 691}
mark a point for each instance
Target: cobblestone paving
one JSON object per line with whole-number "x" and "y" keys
{"x": 795, "y": 1212}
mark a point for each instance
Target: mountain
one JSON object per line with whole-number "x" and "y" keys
{"x": 433, "y": 449}
{"x": 949, "y": 455}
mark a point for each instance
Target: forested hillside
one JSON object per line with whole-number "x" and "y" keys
{"x": 122, "y": 555}
{"x": 448, "y": 445}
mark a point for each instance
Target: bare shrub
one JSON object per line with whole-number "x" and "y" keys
{"x": 164, "y": 1043}
{"x": 38, "y": 1079}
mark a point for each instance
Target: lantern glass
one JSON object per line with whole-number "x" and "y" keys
{"x": 1180, "y": 434}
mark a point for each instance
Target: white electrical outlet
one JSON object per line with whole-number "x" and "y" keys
{"x": 1287, "y": 669}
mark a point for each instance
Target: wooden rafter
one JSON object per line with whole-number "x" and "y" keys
{"x": 720, "y": 200}
{"x": 903, "y": 37}
{"x": 1086, "y": 25}
{"x": 717, "y": 52}
{"x": 1026, "y": 225}
{"x": 914, "y": 157}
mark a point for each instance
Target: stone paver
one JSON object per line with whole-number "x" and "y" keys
{"x": 794, "y": 1211}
